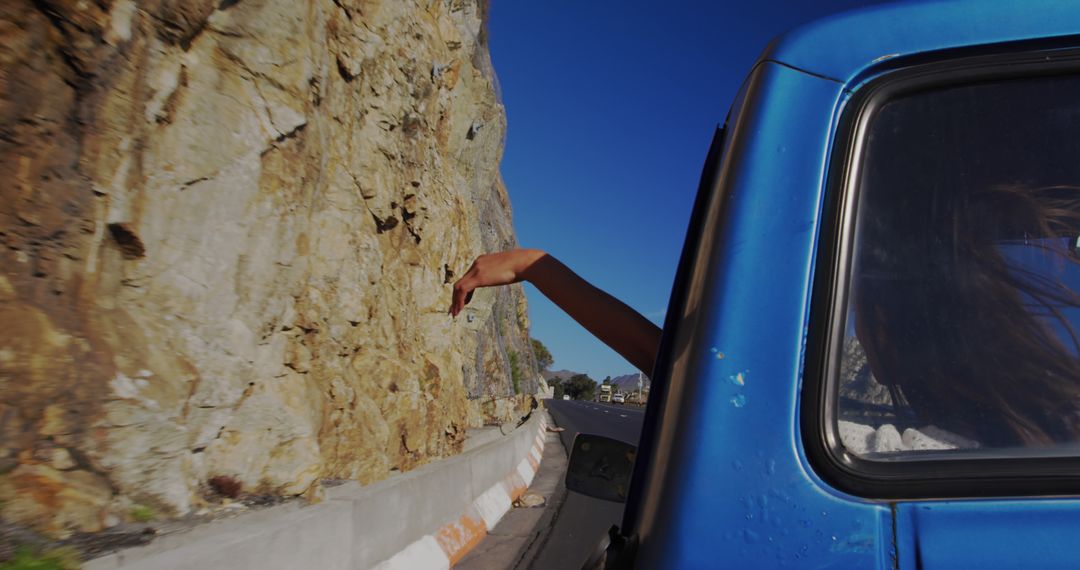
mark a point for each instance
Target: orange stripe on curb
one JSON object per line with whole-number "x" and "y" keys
{"x": 515, "y": 486}
{"x": 458, "y": 538}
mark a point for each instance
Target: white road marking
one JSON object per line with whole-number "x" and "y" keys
{"x": 622, "y": 415}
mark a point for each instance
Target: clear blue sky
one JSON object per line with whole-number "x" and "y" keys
{"x": 611, "y": 106}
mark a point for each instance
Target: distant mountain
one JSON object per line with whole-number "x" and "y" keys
{"x": 625, "y": 383}
{"x": 560, "y": 374}
{"x": 628, "y": 382}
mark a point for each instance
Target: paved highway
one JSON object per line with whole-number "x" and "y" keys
{"x": 582, "y": 521}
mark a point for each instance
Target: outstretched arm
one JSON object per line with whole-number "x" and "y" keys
{"x": 609, "y": 319}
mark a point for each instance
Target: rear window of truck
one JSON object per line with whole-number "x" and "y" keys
{"x": 963, "y": 290}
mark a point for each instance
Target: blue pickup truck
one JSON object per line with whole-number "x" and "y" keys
{"x": 869, "y": 359}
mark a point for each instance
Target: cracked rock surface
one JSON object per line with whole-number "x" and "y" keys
{"x": 228, "y": 229}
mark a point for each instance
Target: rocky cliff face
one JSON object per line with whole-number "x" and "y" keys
{"x": 228, "y": 229}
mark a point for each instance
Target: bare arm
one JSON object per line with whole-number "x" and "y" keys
{"x": 609, "y": 319}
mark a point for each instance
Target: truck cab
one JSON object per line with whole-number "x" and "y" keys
{"x": 870, "y": 356}
{"x": 605, "y": 393}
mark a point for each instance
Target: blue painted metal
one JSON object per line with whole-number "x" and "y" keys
{"x": 989, "y": 534}
{"x": 739, "y": 491}
{"x": 744, "y": 494}
{"x": 844, "y": 45}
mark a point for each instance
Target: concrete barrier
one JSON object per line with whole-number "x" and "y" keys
{"x": 426, "y": 518}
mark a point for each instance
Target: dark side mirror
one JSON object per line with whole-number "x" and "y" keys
{"x": 600, "y": 467}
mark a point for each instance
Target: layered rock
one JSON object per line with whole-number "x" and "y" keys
{"x": 229, "y": 229}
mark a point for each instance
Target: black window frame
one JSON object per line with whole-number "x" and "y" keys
{"x": 819, "y": 421}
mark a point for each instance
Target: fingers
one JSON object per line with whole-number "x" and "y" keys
{"x": 486, "y": 270}
{"x": 457, "y": 300}
{"x": 463, "y": 291}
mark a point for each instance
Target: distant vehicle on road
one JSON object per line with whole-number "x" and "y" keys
{"x": 605, "y": 393}
{"x": 566, "y": 396}
{"x": 869, "y": 358}
{"x": 618, "y": 399}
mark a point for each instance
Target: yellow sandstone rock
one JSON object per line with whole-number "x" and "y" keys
{"x": 56, "y": 502}
{"x": 228, "y": 248}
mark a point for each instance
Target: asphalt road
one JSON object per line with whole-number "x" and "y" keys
{"x": 582, "y": 521}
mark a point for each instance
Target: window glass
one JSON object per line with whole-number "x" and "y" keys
{"x": 963, "y": 306}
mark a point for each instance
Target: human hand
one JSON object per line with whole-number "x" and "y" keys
{"x": 492, "y": 269}
{"x": 611, "y": 320}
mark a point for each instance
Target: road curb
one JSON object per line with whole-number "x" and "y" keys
{"x": 428, "y": 518}
{"x": 511, "y": 544}
{"x": 455, "y": 539}
{"x": 542, "y": 533}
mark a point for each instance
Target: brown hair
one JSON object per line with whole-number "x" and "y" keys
{"x": 963, "y": 335}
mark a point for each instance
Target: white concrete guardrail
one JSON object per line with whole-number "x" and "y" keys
{"x": 428, "y": 518}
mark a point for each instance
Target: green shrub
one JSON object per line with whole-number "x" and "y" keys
{"x": 143, "y": 513}
{"x": 54, "y": 559}
{"x": 542, "y": 354}
{"x": 515, "y": 371}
